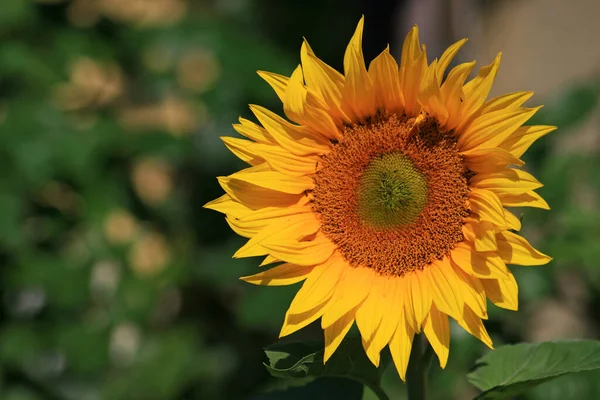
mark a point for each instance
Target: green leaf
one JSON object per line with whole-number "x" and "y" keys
{"x": 15, "y": 13}
{"x": 510, "y": 370}
{"x": 319, "y": 389}
{"x": 294, "y": 360}
{"x": 571, "y": 107}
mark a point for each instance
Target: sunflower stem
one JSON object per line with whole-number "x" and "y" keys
{"x": 381, "y": 395}
{"x": 418, "y": 365}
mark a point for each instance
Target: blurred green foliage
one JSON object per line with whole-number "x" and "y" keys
{"x": 113, "y": 287}
{"x": 115, "y": 283}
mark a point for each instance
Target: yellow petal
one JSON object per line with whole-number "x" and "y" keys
{"x": 491, "y": 129}
{"x": 303, "y": 253}
{"x": 241, "y": 229}
{"x": 512, "y": 222}
{"x": 507, "y": 102}
{"x": 335, "y": 333}
{"x": 295, "y": 322}
{"x": 443, "y": 283}
{"x": 303, "y": 107}
{"x": 282, "y": 275}
{"x": 292, "y": 227}
{"x": 269, "y": 259}
{"x": 256, "y": 221}
{"x": 473, "y": 324}
{"x": 430, "y": 96}
{"x": 487, "y": 205}
{"x": 437, "y": 330}
{"x": 276, "y": 156}
{"x": 384, "y": 73}
{"x": 514, "y": 249}
{"x": 468, "y": 230}
{"x": 527, "y": 199}
{"x": 319, "y": 119}
{"x": 477, "y": 90}
{"x": 285, "y": 162}
{"x": 369, "y": 313}
{"x": 452, "y": 92}
{"x": 226, "y": 205}
{"x": 254, "y": 132}
{"x": 520, "y": 140}
{"x": 510, "y": 101}
{"x": 319, "y": 285}
{"x": 268, "y": 215}
{"x": 413, "y": 64}
{"x": 503, "y": 292}
{"x": 241, "y": 149}
{"x": 277, "y": 82}
{"x": 510, "y": 180}
{"x": 358, "y": 96}
{"x": 256, "y": 197}
{"x": 404, "y": 287}
{"x": 472, "y": 291}
{"x": 411, "y": 49}
{"x": 481, "y": 234}
{"x": 418, "y": 291}
{"x": 350, "y": 292}
{"x": 276, "y": 181}
{"x": 481, "y": 265}
{"x": 400, "y": 346}
{"x": 325, "y": 81}
{"x": 393, "y": 311}
{"x": 490, "y": 160}
{"x": 447, "y": 57}
{"x": 296, "y": 139}
{"x": 295, "y": 97}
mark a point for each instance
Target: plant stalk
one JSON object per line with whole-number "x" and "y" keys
{"x": 381, "y": 395}
{"x": 418, "y": 366}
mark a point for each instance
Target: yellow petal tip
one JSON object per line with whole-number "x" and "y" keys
{"x": 284, "y": 332}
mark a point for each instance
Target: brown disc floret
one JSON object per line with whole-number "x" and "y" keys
{"x": 392, "y": 194}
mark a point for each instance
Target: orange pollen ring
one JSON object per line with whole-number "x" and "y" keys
{"x": 409, "y": 218}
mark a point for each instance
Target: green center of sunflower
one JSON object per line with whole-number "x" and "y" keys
{"x": 391, "y": 192}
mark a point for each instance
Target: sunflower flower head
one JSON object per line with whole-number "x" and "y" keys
{"x": 385, "y": 191}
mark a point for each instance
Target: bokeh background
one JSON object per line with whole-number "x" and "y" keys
{"x": 115, "y": 282}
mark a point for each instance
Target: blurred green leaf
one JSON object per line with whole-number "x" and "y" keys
{"x": 294, "y": 360}
{"x": 329, "y": 388}
{"x": 54, "y": 276}
{"x": 19, "y": 343}
{"x": 84, "y": 345}
{"x": 165, "y": 364}
{"x": 11, "y": 233}
{"x": 571, "y": 107}
{"x": 583, "y": 385}
{"x": 15, "y": 13}
{"x": 20, "y": 393}
{"x": 510, "y": 370}
{"x": 265, "y": 308}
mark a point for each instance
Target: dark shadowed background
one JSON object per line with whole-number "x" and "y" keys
{"x": 116, "y": 284}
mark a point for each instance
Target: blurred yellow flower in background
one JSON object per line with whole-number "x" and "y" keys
{"x": 150, "y": 254}
{"x": 140, "y": 12}
{"x": 120, "y": 226}
{"x": 198, "y": 70}
{"x": 92, "y": 85}
{"x": 177, "y": 116}
{"x": 152, "y": 180}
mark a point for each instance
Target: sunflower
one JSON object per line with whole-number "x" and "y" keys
{"x": 385, "y": 190}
